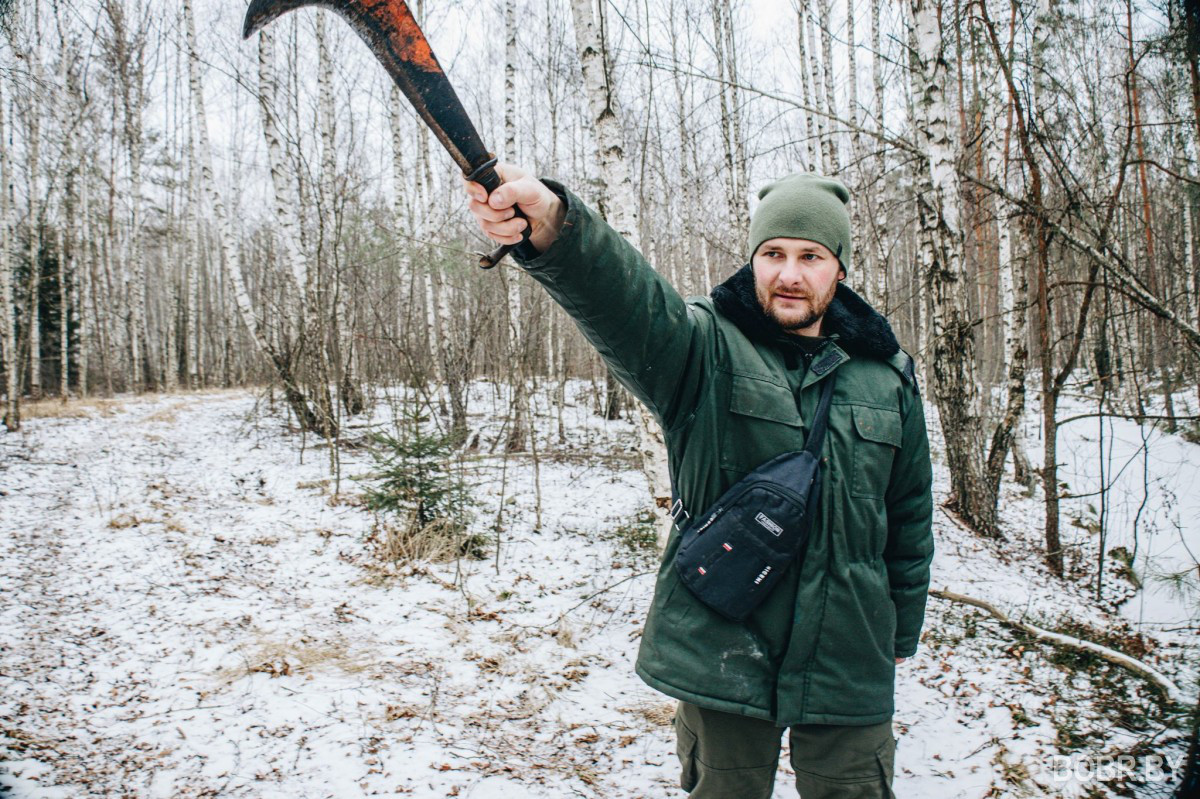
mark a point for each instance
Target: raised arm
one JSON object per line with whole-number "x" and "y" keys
{"x": 650, "y": 338}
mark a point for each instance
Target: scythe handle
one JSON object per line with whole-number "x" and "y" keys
{"x": 487, "y": 176}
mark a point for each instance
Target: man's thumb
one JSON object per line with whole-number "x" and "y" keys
{"x": 520, "y": 191}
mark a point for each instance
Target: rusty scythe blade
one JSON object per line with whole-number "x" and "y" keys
{"x": 390, "y": 30}
{"x": 392, "y": 33}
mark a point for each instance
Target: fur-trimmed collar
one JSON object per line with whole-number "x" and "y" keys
{"x": 859, "y": 328}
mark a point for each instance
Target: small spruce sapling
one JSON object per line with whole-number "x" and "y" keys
{"x": 416, "y": 482}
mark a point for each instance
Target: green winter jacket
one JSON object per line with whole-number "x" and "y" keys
{"x": 721, "y": 381}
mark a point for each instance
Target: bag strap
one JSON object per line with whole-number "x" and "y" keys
{"x": 816, "y": 436}
{"x": 813, "y": 444}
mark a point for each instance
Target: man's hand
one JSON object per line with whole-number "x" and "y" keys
{"x": 900, "y": 660}
{"x": 542, "y": 207}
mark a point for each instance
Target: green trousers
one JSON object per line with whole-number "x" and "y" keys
{"x": 728, "y": 756}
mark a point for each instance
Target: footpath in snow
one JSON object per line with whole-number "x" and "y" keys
{"x": 193, "y": 607}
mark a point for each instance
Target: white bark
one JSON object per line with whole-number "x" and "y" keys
{"x": 127, "y": 50}
{"x": 191, "y": 347}
{"x": 618, "y": 201}
{"x": 342, "y": 354}
{"x": 61, "y": 245}
{"x": 619, "y": 205}
{"x": 65, "y": 241}
{"x": 286, "y": 201}
{"x": 230, "y": 253}
{"x": 879, "y": 283}
{"x": 1011, "y": 327}
{"x": 170, "y": 365}
{"x": 879, "y": 278}
{"x": 8, "y": 334}
{"x": 941, "y": 255}
{"x": 810, "y": 144}
{"x": 852, "y": 60}
{"x": 689, "y": 190}
{"x": 937, "y": 131}
{"x": 34, "y": 56}
{"x": 83, "y": 281}
{"x": 510, "y": 81}
{"x": 731, "y": 127}
{"x": 818, "y": 84}
{"x": 857, "y": 228}
{"x": 1189, "y": 259}
{"x": 835, "y": 160}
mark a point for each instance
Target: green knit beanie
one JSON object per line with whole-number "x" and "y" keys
{"x": 804, "y": 206}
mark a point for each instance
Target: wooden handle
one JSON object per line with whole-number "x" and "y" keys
{"x": 487, "y": 176}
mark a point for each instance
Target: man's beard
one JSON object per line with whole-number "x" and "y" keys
{"x": 814, "y": 313}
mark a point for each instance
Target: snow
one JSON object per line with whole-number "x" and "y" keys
{"x": 192, "y": 608}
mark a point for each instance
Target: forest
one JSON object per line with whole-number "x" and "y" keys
{"x": 182, "y": 210}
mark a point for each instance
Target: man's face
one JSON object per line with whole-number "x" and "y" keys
{"x": 795, "y": 280}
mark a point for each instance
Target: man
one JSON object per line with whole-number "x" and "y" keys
{"x": 734, "y": 380}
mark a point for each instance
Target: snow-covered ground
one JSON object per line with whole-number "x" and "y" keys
{"x": 192, "y": 607}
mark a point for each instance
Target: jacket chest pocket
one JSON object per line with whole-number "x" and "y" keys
{"x": 762, "y": 422}
{"x": 877, "y": 437}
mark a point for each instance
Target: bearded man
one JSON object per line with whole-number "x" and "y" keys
{"x": 734, "y": 380}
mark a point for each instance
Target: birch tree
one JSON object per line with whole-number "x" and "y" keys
{"x": 617, "y": 203}
{"x": 952, "y": 342}
{"x": 8, "y": 333}
{"x": 230, "y": 252}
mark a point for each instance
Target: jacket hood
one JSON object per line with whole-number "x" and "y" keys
{"x": 859, "y": 328}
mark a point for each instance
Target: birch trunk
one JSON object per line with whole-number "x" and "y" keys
{"x": 818, "y": 83}
{"x": 83, "y": 282}
{"x": 127, "y": 51}
{"x": 1014, "y": 298}
{"x": 835, "y": 161}
{"x": 286, "y": 201}
{"x": 337, "y": 345}
{"x": 518, "y": 431}
{"x": 64, "y": 240}
{"x": 856, "y": 150}
{"x": 689, "y": 200}
{"x": 879, "y": 281}
{"x": 62, "y": 245}
{"x": 230, "y": 253}
{"x": 1193, "y": 270}
{"x": 731, "y": 126}
{"x": 852, "y": 78}
{"x": 192, "y": 345}
{"x": 941, "y": 258}
{"x": 810, "y": 146}
{"x": 8, "y": 335}
{"x": 35, "y": 212}
{"x": 618, "y": 206}
{"x": 617, "y": 199}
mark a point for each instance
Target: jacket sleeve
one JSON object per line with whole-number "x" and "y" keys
{"x": 650, "y": 338}
{"x": 909, "y": 548}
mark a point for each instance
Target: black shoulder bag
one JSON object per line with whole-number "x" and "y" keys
{"x": 733, "y": 554}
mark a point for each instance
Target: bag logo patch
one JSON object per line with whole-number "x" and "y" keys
{"x": 762, "y": 575}
{"x": 768, "y": 523}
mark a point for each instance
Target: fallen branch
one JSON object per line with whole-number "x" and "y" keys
{"x": 1156, "y": 677}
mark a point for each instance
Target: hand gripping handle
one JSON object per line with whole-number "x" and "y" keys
{"x": 486, "y": 175}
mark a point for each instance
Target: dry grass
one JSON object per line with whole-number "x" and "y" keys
{"x": 103, "y": 407}
{"x": 655, "y": 714}
{"x": 167, "y": 415}
{"x": 290, "y": 658}
{"x": 86, "y": 408}
{"x": 408, "y": 542}
{"x": 123, "y": 520}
